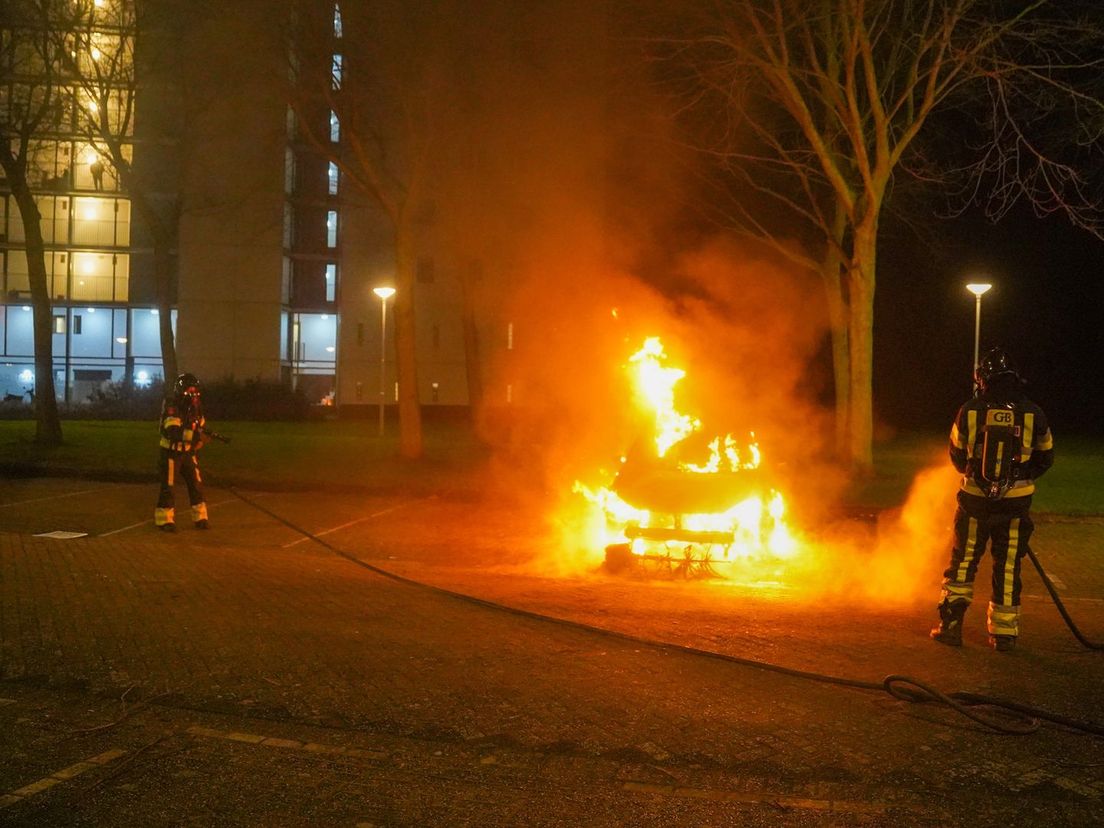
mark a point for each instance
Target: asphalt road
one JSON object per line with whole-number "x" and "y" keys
{"x": 248, "y": 676}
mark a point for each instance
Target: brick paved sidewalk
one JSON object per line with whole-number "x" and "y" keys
{"x": 296, "y": 635}
{"x": 249, "y": 622}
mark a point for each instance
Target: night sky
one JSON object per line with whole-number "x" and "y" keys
{"x": 1046, "y": 308}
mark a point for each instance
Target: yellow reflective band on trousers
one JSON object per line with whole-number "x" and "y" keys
{"x": 163, "y": 516}
{"x": 957, "y": 588}
{"x": 199, "y": 511}
{"x": 1008, "y": 579}
{"x": 1003, "y": 620}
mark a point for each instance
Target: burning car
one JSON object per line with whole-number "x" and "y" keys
{"x": 679, "y": 503}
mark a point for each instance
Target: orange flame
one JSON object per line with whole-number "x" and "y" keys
{"x": 753, "y": 525}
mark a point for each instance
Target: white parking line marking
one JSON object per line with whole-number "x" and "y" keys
{"x": 1065, "y": 600}
{"x": 304, "y": 539}
{"x": 58, "y": 777}
{"x": 53, "y": 497}
{"x": 124, "y": 529}
{"x": 287, "y": 744}
{"x": 147, "y": 522}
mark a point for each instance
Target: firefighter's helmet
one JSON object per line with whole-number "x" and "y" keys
{"x": 187, "y": 393}
{"x": 996, "y": 364}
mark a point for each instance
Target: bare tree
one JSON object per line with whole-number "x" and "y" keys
{"x": 35, "y": 107}
{"x": 384, "y": 81}
{"x": 108, "y": 52}
{"x": 822, "y": 103}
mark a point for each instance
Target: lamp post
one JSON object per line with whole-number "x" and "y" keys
{"x": 384, "y": 293}
{"x": 977, "y": 288}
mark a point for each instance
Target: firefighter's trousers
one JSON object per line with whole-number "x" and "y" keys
{"x": 1006, "y": 527}
{"x": 185, "y": 465}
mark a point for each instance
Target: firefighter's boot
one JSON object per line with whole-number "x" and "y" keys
{"x": 949, "y": 629}
{"x": 1002, "y": 643}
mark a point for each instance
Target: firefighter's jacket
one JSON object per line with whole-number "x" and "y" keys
{"x": 181, "y": 431}
{"x": 1036, "y": 446}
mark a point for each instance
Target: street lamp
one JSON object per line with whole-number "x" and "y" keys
{"x": 977, "y": 288}
{"x": 384, "y": 293}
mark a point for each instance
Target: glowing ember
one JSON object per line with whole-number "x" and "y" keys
{"x": 666, "y": 506}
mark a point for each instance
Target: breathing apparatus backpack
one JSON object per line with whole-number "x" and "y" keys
{"x": 997, "y": 467}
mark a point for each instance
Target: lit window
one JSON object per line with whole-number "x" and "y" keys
{"x": 331, "y": 228}
{"x": 335, "y": 127}
{"x": 337, "y": 21}
{"x": 509, "y": 336}
{"x": 59, "y": 324}
{"x": 333, "y": 178}
{"x": 337, "y": 71}
{"x": 331, "y": 282}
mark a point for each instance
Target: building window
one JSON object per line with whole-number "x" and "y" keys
{"x": 331, "y": 282}
{"x": 76, "y": 324}
{"x": 314, "y": 342}
{"x": 59, "y": 324}
{"x": 333, "y": 176}
{"x": 291, "y": 124}
{"x": 509, "y": 336}
{"x": 289, "y": 226}
{"x": 289, "y": 171}
{"x": 100, "y": 222}
{"x": 337, "y": 28}
{"x": 335, "y": 127}
{"x": 337, "y": 71}
{"x": 101, "y": 277}
{"x": 285, "y": 280}
{"x": 331, "y": 228}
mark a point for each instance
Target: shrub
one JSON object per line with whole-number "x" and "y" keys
{"x": 119, "y": 401}
{"x": 227, "y": 399}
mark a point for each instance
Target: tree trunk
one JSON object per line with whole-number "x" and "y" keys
{"x": 162, "y": 270}
{"x": 860, "y": 283}
{"x": 410, "y": 411}
{"x": 47, "y": 420}
{"x": 163, "y": 241}
{"x": 838, "y": 326}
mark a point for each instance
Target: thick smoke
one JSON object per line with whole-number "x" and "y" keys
{"x": 570, "y": 189}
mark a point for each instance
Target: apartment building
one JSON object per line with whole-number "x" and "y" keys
{"x": 278, "y": 256}
{"x": 94, "y": 257}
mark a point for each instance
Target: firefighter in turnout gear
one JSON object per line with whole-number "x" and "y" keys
{"x": 182, "y": 436}
{"x": 1001, "y": 443}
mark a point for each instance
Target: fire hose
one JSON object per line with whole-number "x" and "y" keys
{"x": 1004, "y": 716}
{"x": 1092, "y": 645}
